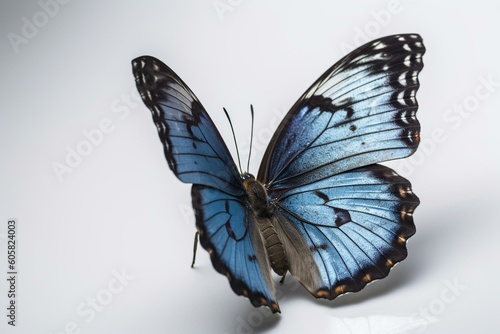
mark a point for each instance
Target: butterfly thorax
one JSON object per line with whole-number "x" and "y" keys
{"x": 259, "y": 203}
{"x": 257, "y": 195}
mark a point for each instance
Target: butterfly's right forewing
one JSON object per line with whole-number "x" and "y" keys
{"x": 359, "y": 112}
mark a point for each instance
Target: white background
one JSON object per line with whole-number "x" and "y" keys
{"x": 120, "y": 211}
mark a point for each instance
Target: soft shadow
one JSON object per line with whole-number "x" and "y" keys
{"x": 250, "y": 319}
{"x": 269, "y": 323}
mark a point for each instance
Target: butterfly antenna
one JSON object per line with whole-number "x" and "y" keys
{"x": 251, "y": 139}
{"x": 234, "y": 138}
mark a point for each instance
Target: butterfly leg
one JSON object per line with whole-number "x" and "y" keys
{"x": 195, "y": 246}
{"x": 282, "y": 280}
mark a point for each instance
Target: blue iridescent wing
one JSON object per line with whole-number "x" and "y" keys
{"x": 228, "y": 233}
{"x": 193, "y": 147}
{"x": 197, "y": 154}
{"x": 354, "y": 224}
{"x": 359, "y": 112}
{"x": 345, "y": 221}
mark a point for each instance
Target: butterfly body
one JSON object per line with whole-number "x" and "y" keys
{"x": 257, "y": 196}
{"x": 321, "y": 207}
{"x": 263, "y": 218}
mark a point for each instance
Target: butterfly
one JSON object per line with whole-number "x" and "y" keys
{"x": 321, "y": 207}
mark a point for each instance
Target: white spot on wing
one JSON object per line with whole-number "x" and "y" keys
{"x": 412, "y": 96}
{"x": 410, "y": 135}
{"x": 402, "y": 78}
{"x": 401, "y": 97}
{"x": 376, "y": 56}
{"x": 407, "y": 61}
{"x": 414, "y": 76}
{"x": 157, "y": 111}
{"x": 403, "y": 118}
{"x": 413, "y": 115}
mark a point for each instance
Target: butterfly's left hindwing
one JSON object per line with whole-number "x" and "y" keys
{"x": 228, "y": 233}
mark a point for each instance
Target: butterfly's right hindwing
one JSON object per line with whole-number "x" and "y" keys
{"x": 353, "y": 228}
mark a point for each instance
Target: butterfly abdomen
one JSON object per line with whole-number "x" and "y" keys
{"x": 275, "y": 250}
{"x": 258, "y": 201}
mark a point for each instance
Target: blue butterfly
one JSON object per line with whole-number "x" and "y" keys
{"x": 320, "y": 207}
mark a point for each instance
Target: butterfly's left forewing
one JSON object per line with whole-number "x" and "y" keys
{"x": 192, "y": 144}
{"x": 197, "y": 154}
